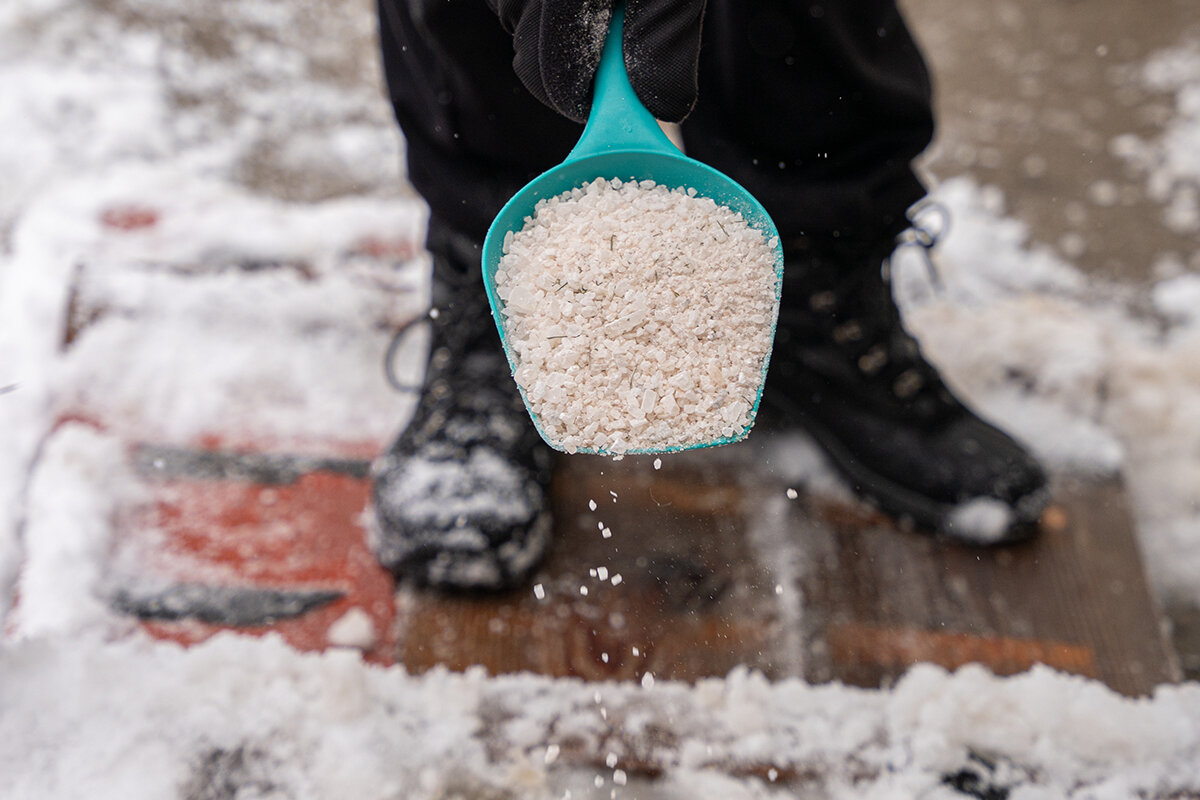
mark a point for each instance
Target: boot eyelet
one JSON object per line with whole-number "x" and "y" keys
{"x": 848, "y": 332}
{"x": 822, "y": 301}
{"x": 873, "y": 360}
{"x": 440, "y": 358}
{"x": 908, "y": 384}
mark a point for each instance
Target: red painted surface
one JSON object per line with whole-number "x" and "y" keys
{"x": 129, "y": 217}
{"x": 305, "y": 535}
{"x": 389, "y": 248}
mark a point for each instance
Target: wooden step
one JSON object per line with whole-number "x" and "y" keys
{"x": 717, "y": 570}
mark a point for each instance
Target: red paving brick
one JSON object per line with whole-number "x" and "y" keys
{"x": 305, "y": 535}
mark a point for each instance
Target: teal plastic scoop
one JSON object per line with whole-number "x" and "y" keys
{"x": 623, "y": 140}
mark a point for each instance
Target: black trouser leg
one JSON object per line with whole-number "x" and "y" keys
{"x": 817, "y": 107}
{"x": 474, "y": 134}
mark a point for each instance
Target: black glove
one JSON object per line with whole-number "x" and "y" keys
{"x": 558, "y": 45}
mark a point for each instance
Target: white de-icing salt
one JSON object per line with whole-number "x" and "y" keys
{"x": 639, "y": 316}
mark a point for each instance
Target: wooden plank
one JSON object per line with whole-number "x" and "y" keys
{"x": 719, "y": 569}
{"x": 673, "y": 591}
{"x": 689, "y": 572}
{"x": 880, "y": 599}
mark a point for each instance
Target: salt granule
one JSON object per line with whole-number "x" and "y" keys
{"x": 639, "y": 317}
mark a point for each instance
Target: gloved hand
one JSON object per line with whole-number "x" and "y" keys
{"x": 558, "y": 45}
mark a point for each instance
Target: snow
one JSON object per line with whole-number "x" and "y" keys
{"x": 445, "y": 493}
{"x": 353, "y": 629}
{"x": 270, "y": 142}
{"x": 1172, "y": 163}
{"x": 330, "y": 726}
{"x": 70, "y": 505}
{"x": 982, "y": 520}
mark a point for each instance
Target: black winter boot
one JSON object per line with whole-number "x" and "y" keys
{"x": 845, "y": 369}
{"x": 461, "y": 497}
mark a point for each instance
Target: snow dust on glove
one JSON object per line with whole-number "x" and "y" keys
{"x": 558, "y": 45}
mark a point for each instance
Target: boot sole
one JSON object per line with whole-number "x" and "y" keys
{"x": 906, "y": 505}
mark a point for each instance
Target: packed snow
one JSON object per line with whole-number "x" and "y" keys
{"x": 131, "y": 719}
{"x": 254, "y": 132}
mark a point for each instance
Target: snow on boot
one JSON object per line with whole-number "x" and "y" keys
{"x": 461, "y": 497}
{"x": 845, "y": 369}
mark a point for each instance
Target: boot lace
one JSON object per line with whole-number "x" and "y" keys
{"x": 846, "y": 305}
{"x": 929, "y": 222}
{"x": 460, "y": 321}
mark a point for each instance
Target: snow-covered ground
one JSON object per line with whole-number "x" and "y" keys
{"x": 255, "y": 131}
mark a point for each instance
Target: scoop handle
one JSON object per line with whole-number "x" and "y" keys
{"x": 618, "y": 121}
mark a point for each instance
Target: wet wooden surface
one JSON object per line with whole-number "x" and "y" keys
{"x": 657, "y": 579}
{"x": 707, "y": 568}
{"x": 1075, "y": 598}
{"x": 688, "y": 571}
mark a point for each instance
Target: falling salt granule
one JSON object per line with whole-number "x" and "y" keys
{"x": 599, "y": 526}
{"x": 606, "y": 533}
{"x": 604, "y": 657}
{"x": 792, "y": 494}
{"x": 551, "y": 753}
{"x": 583, "y": 590}
{"x": 610, "y": 760}
{"x": 772, "y": 774}
{"x": 616, "y": 579}
{"x": 636, "y": 651}
{"x": 599, "y": 781}
{"x": 658, "y": 463}
{"x": 647, "y": 681}
{"x": 539, "y": 591}
{"x": 592, "y": 572}
{"x": 619, "y": 777}
{"x": 592, "y": 505}
{"x": 614, "y": 494}
{"x": 602, "y": 573}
